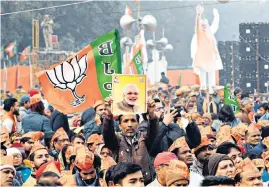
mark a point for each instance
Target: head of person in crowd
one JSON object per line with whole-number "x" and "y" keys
{"x": 181, "y": 149}
{"x": 263, "y": 108}
{"x": 25, "y": 102}
{"x": 11, "y": 106}
{"x": 103, "y": 151}
{"x": 221, "y": 165}
{"x": 93, "y": 141}
{"x": 16, "y": 155}
{"x": 3, "y": 151}
{"x": 49, "y": 110}
{"x": 78, "y": 140}
{"x": 177, "y": 174}
{"x": 38, "y": 156}
{"x": 37, "y": 104}
{"x": 100, "y": 109}
{"x": 226, "y": 114}
{"x": 253, "y": 135}
{"x": 128, "y": 124}
{"x": 231, "y": 150}
{"x": 247, "y": 174}
{"x": 127, "y": 174}
{"x": 106, "y": 163}
{"x": 218, "y": 181}
{"x": 207, "y": 119}
{"x": 237, "y": 93}
{"x": 7, "y": 171}
{"x": 28, "y": 140}
{"x": 159, "y": 109}
{"x": 161, "y": 164}
{"x": 247, "y": 104}
{"x": 203, "y": 151}
{"x": 50, "y": 172}
{"x": 59, "y": 139}
{"x": 257, "y": 161}
{"x": 265, "y": 157}
{"x": 48, "y": 183}
{"x": 67, "y": 157}
{"x": 131, "y": 94}
{"x": 84, "y": 164}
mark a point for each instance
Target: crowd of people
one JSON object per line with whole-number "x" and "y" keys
{"x": 188, "y": 137}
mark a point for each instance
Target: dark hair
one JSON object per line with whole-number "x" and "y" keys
{"x": 8, "y": 103}
{"x": 217, "y": 180}
{"x": 38, "y": 107}
{"x": 144, "y": 116}
{"x": 64, "y": 158}
{"x": 214, "y": 116}
{"x": 101, "y": 174}
{"x": 47, "y": 183}
{"x": 225, "y": 148}
{"x": 109, "y": 172}
{"x": 226, "y": 114}
{"x": 3, "y": 147}
{"x": 252, "y": 155}
{"x": 245, "y": 94}
{"x": 237, "y": 178}
{"x": 32, "y": 156}
{"x": 122, "y": 169}
{"x": 120, "y": 118}
{"x": 264, "y": 105}
{"x": 48, "y": 174}
{"x": 77, "y": 136}
{"x": 237, "y": 91}
{"x": 162, "y": 73}
{"x": 24, "y": 140}
{"x": 156, "y": 100}
{"x": 51, "y": 109}
{"x": 47, "y": 138}
{"x": 205, "y": 171}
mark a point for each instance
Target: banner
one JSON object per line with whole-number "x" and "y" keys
{"x": 75, "y": 85}
{"x": 229, "y": 99}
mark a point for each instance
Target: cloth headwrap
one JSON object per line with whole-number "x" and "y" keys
{"x": 11, "y": 151}
{"x": 179, "y": 143}
{"x": 204, "y": 142}
{"x": 84, "y": 159}
{"x": 37, "y": 146}
{"x": 246, "y": 165}
{"x": 214, "y": 161}
{"x": 33, "y": 135}
{"x": 177, "y": 170}
{"x": 52, "y": 166}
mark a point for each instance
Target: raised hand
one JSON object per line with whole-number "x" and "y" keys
{"x": 151, "y": 107}
{"x": 199, "y": 9}
{"x": 169, "y": 117}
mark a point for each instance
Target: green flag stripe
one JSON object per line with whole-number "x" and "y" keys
{"x": 107, "y": 56}
{"x": 137, "y": 60}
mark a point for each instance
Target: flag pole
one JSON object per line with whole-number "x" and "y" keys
{"x": 5, "y": 77}
{"x": 31, "y": 73}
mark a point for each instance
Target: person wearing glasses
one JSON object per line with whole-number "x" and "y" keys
{"x": 22, "y": 171}
{"x": 58, "y": 141}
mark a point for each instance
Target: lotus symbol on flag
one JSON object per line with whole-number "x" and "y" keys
{"x": 68, "y": 75}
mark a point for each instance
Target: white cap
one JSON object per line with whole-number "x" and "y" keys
{"x": 12, "y": 151}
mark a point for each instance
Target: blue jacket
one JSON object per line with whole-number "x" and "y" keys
{"x": 265, "y": 117}
{"x": 36, "y": 122}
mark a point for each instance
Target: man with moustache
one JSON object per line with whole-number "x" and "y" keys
{"x": 11, "y": 119}
{"x": 7, "y": 171}
{"x": 130, "y": 97}
{"x": 38, "y": 156}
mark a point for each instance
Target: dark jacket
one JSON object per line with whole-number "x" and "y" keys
{"x": 36, "y": 122}
{"x": 168, "y": 134}
{"x": 165, "y": 80}
{"x": 58, "y": 120}
{"x": 256, "y": 149}
{"x": 135, "y": 151}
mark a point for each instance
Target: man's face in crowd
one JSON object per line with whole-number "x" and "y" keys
{"x": 206, "y": 121}
{"x": 89, "y": 175}
{"x": 235, "y": 156}
{"x": 17, "y": 159}
{"x": 266, "y": 162}
{"x": 68, "y": 153}
{"x": 129, "y": 124}
{"x": 184, "y": 154}
{"x": 159, "y": 110}
{"x": 205, "y": 153}
{"x": 41, "y": 157}
{"x": 27, "y": 105}
{"x": 133, "y": 179}
{"x": 238, "y": 95}
{"x": 249, "y": 107}
{"x": 161, "y": 173}
{"x": 28, "y": 145}
{"x": 261, "y": 111}
{"x": 250, "y": 178}
{"x": 105, "y": 152}
{"x": 131, "y": 95}
{"x": 253, "y": 137}
{"x": 226, "y": 168}
{"x": 7, "y": 177}
{"x": 78, "y": 142}
{"x": 101, "y": 110}
{"x": 15, "y": 109}
{"x": 251, "y": 96}
{"x": 61, "y": 142}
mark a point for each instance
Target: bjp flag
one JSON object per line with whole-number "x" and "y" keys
{"x": 77, "y": 83}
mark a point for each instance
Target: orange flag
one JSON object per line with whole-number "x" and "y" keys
{"x": 25, "y": 54}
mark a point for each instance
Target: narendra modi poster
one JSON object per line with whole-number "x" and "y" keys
{"x": 128, "y": 94}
